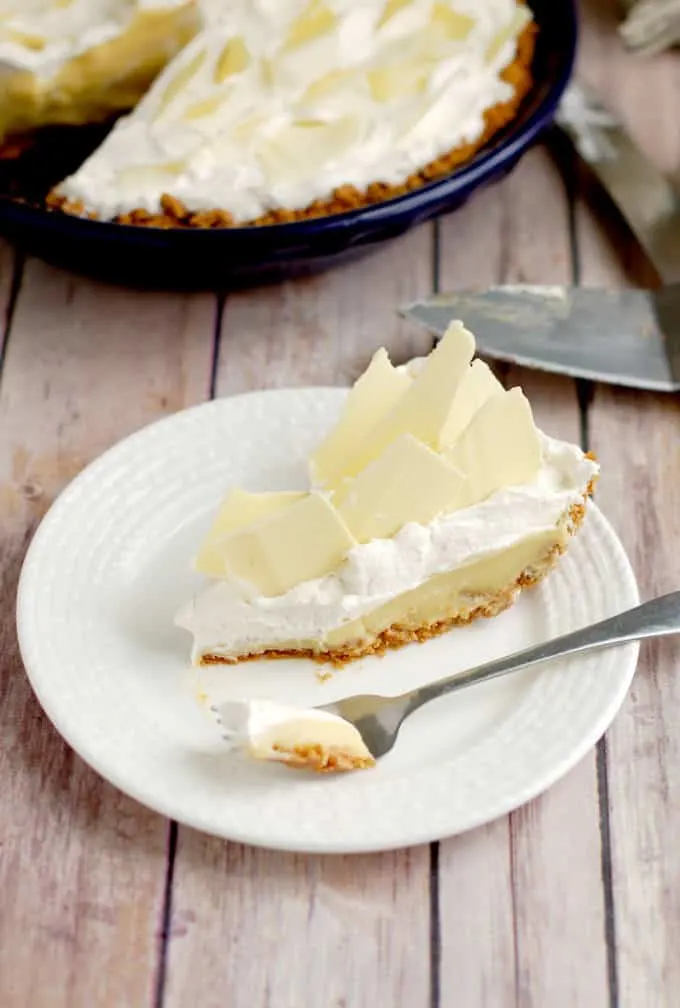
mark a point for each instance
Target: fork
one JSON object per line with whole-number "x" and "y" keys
{"x": 378, "y": 719}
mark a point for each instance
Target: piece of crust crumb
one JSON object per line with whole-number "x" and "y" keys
{"x": 322, "y": 760}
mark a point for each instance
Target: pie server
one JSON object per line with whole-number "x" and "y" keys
{"x": 625, "y": 337}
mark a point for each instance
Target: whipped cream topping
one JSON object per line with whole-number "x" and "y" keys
{"x": 42, "y": 35}
{"x": 226, "y": 619}
{"x": 277, "y": 104}
{"x": 266, "y": 729}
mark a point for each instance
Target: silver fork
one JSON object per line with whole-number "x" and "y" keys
{"x": 378, "y": 719}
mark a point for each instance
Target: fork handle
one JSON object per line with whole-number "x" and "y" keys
{"x": 658, "y": 618}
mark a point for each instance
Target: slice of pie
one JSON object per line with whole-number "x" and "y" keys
{"x": 434, "y": 500}
{"x": 80, "y": 61}
{"x": 304, "y": 739}
{"x": 281, "y": 111}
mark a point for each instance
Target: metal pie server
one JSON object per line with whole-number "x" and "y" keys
{"x": 626, "y": 337}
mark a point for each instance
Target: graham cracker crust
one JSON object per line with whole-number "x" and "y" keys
{"x": 397, "y": 636}
{"x": 174, "y": 214}
{"x": 321, "y": 760}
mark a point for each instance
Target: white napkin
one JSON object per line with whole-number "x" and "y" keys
{"x": 586, "y": 120}
{"x": 651, "y": 25}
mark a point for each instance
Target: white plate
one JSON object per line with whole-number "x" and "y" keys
{"x": 111, "y": 562}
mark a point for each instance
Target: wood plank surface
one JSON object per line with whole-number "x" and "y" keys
{"x": 82, "y": 867}
{"x": 273, "y": 929}
{"x": 11, "y": 267}
{"x": 636, "y": 435}
{"x": 522, "y": 902}
{"x": 571, "y": 902}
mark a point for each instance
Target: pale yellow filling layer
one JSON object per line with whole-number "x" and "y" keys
{"x": 446, "y": 597}
{"x": 329, "y": 736}
{"x": 106, "y": 79}
{"x": 450, "y": 595}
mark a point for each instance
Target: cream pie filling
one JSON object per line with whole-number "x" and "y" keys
{"x": 77, "y": 61}
{"x": 227, "y": 619}
{"x": 276, "y": 105}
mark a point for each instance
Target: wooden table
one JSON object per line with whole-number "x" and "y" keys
{"x": 573, "y": 900}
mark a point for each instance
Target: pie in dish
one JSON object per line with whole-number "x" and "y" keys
{"x": 434, "y": 500}
{"x": 280, "y": 111}
{"x": 81, "y": 61}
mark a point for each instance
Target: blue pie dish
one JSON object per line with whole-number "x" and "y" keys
{"x": 226, "y": 258}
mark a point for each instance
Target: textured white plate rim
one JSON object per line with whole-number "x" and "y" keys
{"x": 74, "y": 731}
